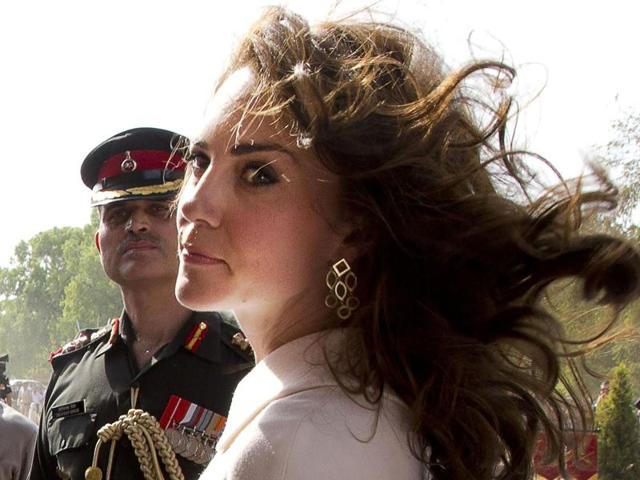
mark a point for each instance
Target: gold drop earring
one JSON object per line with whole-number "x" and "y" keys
{"x": 342, "y": 282}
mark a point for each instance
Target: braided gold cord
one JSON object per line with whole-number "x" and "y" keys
{"x": 148, "y": 440}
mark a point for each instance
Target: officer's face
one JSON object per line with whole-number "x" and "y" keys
{"x": 137, "y": 240}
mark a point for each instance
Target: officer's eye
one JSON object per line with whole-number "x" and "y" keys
{"x": 161, "y": 210}
{"x": 259, "y": 173}
{"x": 116, "y": 214}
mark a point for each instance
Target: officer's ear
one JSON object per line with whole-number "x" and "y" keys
{"x": 97, "y": 240}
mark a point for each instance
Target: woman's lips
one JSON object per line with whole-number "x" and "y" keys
{"x": 189, "y": 255}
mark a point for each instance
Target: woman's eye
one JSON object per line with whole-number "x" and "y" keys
{"x": 198, "y": 162}
{"x": 259, "y": 173}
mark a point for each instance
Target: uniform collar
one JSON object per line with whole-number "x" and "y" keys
{"x": 206, "y": 346}
{"x": 115, "y": 326}
{"x": 200, "y": 335}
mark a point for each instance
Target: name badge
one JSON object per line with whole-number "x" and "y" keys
{"x": 75, "y": 408}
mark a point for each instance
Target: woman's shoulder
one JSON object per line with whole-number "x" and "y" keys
{"x": 324, "y": 433}
{"x": 262, "y": 448}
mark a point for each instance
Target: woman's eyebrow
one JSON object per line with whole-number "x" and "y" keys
{"x": 201, "y": 144}
{"x": 253, "y": 147}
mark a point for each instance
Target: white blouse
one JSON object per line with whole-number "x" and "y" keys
{"x": 289, "y": 420}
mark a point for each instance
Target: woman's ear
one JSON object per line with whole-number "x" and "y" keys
{"x": 355, "y": 244}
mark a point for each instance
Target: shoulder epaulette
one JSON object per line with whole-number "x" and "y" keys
{"x": 82, "y": 339}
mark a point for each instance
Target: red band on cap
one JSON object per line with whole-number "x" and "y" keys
{"x": 144, "y": 160}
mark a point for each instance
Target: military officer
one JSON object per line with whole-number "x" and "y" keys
{"x": 177, "y": 365}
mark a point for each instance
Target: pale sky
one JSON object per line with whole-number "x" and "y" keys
{"x": 77, "y": 72}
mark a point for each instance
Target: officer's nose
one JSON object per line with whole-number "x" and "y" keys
{"x": 138, "y": 222}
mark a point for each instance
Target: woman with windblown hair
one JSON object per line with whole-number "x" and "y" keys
{"x": 344, "y": 201}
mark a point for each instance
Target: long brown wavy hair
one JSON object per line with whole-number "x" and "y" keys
{"x": 460, "y": 240}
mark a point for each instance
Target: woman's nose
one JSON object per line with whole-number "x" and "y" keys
{"x": 202, "y": 200}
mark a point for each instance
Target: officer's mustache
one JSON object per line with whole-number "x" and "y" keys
{"x": 137, "y": 237}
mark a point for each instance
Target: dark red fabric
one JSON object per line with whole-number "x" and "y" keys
{"x": 145, "y": 160}
{"x": 169, "y": 411}
{"x": 548, "y": 471}
{"x": 583, "y": 465}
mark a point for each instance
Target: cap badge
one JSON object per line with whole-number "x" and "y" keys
{"x": 128, "y": 164}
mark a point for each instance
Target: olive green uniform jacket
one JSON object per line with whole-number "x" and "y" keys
{"x": 92, "y": 382}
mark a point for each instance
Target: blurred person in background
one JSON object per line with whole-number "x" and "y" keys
{"x": 17, "y": 435}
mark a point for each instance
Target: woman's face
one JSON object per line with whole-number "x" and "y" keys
{"x": 258, "y": 218}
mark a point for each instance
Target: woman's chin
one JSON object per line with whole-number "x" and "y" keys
{"x": 197, "y": 297}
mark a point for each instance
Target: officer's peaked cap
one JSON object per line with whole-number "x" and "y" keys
{"x": 141, "y": 163}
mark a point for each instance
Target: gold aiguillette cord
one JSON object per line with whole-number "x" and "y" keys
{"x": 148, "y": 441}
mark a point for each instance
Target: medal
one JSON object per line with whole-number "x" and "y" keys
{"x": 205, "y": 455}
{"x": 180, "y": 442}
{"x": 173, "y": 436}
{"x": 191, "y": 446}
{"x": 192, "y": 430}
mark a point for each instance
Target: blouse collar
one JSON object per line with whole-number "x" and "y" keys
{"x": 294, "y": 367}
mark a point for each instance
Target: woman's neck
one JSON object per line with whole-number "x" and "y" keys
{"x": 268, "y": 327}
